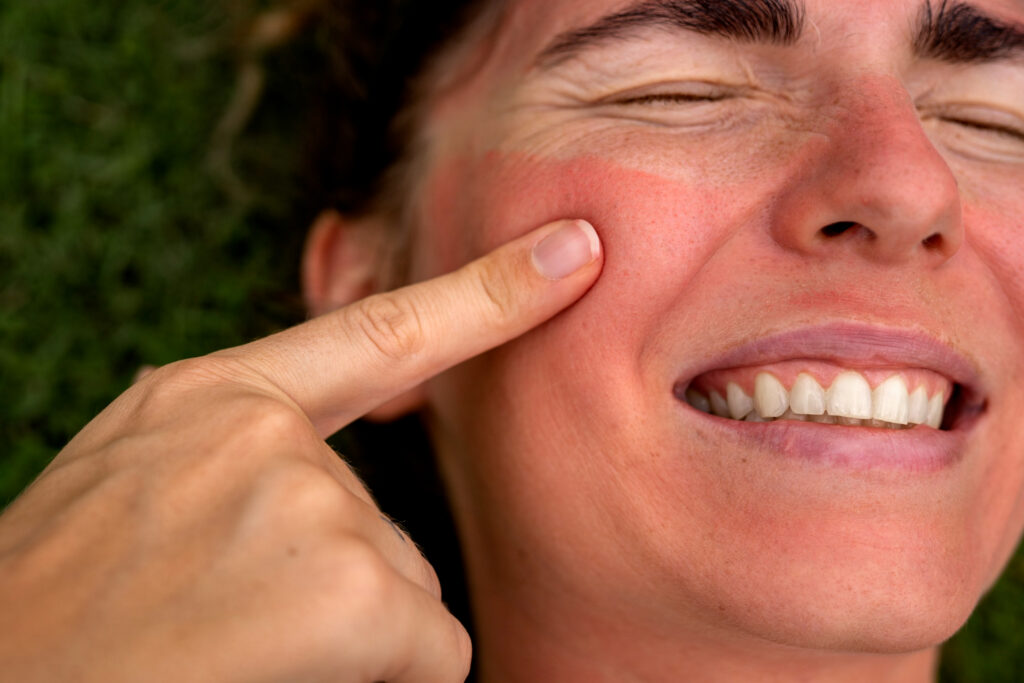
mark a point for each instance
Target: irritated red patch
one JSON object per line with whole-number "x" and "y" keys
{"x": 507, "y": 195}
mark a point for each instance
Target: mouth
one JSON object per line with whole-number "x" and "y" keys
{"x": 845, "y": 393}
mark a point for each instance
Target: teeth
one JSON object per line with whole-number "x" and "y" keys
{"x": 770, "y": 398}
{"x": 935, "y": 407}
{"x": 698, "y": 400}
{"x": 849, "y": 396}
{"x": 917, "y": 407}
{"x": 740, "y": 404}
{"x": 719, "y": 406}
{"x": 890, "y": 401}
{"x": 849, "y": 401}
{"x": 807, "y": 397}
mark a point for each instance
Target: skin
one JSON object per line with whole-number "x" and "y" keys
{"x": 200, "y": 529}
{"x": 610, "y": 534}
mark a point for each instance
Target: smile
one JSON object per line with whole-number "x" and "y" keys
{"x": 820, "y": 391}
{"x": 849, "y": 394}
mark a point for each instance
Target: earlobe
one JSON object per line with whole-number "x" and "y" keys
{"x": 342, "y": 263}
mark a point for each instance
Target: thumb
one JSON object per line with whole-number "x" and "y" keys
{"x": 343, "y": 364}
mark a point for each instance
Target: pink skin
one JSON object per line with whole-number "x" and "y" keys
{"x": 612, "y": 533}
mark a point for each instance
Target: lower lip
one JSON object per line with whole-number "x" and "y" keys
{"x": 920, "y": 449}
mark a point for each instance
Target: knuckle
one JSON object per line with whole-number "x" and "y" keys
{"x": 190, "y": 373}
{"x": 170, "y": 382}
{"x": 176, "y": 383}
{"x": 499, "y": 290}
{"x": 166, "y": 390}
{"x": 392, "y": 324}
{"x": 308, "y": 495}
{"x": 271, "y": 419}
{"x": 369, "y": 581}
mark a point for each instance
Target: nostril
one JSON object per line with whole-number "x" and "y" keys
{"x": 933, "y": 241}
{"x": 836, "y": 229}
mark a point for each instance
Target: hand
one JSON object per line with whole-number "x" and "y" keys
{"x": 200, "y": 529}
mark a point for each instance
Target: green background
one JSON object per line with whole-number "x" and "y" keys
{"x": 118, "y": 247}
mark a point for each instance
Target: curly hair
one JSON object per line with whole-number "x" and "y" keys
{"x": 363, "y": 65}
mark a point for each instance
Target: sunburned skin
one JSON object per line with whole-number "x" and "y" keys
{"x": 589, "y": 493}
{"x": 610, "y": 362}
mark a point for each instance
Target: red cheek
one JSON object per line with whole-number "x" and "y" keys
{"x": 1000, "y": 244}
{"x": 473, "y": 206}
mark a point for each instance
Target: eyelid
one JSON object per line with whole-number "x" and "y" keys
{"x": 983, "y": 126}
{"x": 683, "y": 90}
{"x": 982, "y": 115}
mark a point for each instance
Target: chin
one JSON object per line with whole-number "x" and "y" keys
{"x": 893, "y": 577}
{"x": 856, "y": 614}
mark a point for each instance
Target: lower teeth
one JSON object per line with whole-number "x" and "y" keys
{"x": 827, "y": 419}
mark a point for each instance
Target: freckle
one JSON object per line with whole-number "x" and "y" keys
{"x": 292, "y": 551}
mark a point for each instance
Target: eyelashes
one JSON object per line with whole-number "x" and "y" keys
{"x": 984, "y": 127}
{"x": 697, "y": 106}
{"x": 670, "y": 99}
{"x": 977, "y": 129}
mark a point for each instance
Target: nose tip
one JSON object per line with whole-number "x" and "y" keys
{"x": 876, "y": 188}
{"x": 931, "y": 237}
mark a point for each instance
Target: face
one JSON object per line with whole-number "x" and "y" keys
{"x": 830, "y": 208}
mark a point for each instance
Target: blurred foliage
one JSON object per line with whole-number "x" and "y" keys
{"x": 117, "y": 248}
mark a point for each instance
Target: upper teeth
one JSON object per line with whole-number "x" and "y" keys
{"x": 850, "y": 400}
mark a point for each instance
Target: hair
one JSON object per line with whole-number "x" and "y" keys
{"x": 353, "y": 80}
{"x": 329, "y": 102}
{"x": 354, "y": 72}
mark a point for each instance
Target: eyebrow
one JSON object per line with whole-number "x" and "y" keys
{"x": 768, "y": 21}
{"x": 954, "y": 31}
{"x": 960, "y": 33}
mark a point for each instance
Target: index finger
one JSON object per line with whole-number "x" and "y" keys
{"x": 343, "y": 364}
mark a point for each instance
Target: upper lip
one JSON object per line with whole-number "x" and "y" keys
{"x": 853, "y": 345}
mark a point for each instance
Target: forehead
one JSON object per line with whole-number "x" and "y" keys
{"x": 518, "y": 39}
{"x": 530, "y": 29}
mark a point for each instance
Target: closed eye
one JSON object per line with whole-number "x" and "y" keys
{"x": 986, "y": 127}
{"x": 670, "y": 98}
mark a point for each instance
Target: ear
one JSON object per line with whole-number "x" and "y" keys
{"x": 339, "y": 263}
{"x": 342, "y": 262}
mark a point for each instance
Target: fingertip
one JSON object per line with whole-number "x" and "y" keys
{"x": 570, "y": 247}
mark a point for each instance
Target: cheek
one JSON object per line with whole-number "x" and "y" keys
{"x": 656, "y": 234}
{"x": 597, "y": 375}
{"x": 475, "y": 206}
{"x": 996, "y": 232}
{"x": 659, "y": 237}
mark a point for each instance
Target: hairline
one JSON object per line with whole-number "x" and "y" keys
{"x": 398, "y": 198}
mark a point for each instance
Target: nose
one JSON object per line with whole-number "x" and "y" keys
{"x": 875, "y": 188}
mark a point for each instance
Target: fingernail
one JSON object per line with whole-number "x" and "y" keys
{"x": 566, "y": 250}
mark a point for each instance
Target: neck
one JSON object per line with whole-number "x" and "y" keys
{"x": 520, "y": 640}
